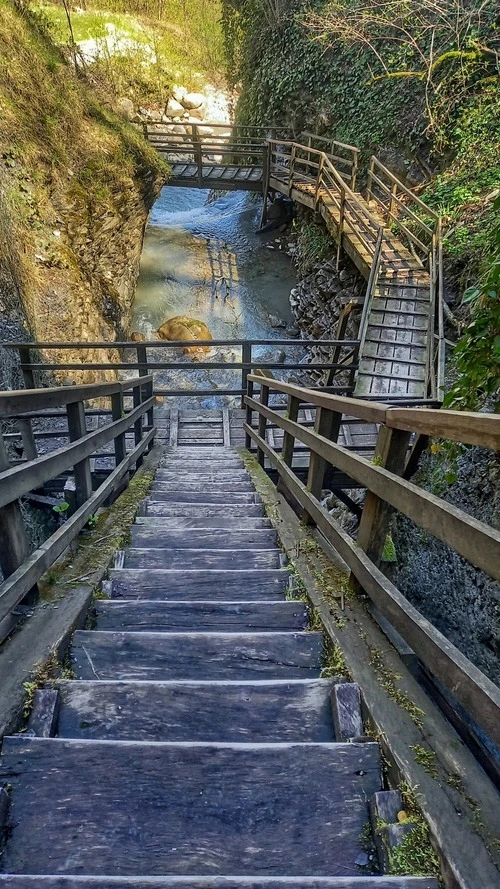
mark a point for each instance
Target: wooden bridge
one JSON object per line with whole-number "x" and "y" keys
{"x": 210, "y": 733}
{"x": 393, "y": 238}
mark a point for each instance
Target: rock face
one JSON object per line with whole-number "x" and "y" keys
{"x": 174, "y": 108}
{"x": 126, "y": 107}
{"x": 192, "y": 100}
{"x": 181, "y": 328}
{"x": 318, "y": 300}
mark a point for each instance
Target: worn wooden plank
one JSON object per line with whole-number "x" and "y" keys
{"x": 44, "y": 713}
{"x": 199, "y": 510}
{"x": 112, "y": 655}
{"x": 200, "y": 819}
{"x": 206, "y": 559}
{"x": 265, "y": 711}
{"x": 202, "y": 497}
{"x": 372, "y": 412}
{"x": 167, "y": 584}
{"x": 167, "y": 617}
{"x": 217, "y": 522}
{"x": 466, "y": 426}
{"x": 199, "y": 538}
{"x": 346, "y": 710}
{"x": 166, "y": 882}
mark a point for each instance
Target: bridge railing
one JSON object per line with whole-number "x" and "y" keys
{"x": 149, "y": 357}
{"x": 387, "y": 491}
{"x": 20, "y": 568}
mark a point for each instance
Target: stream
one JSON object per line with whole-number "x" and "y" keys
{"x": 202, "y": 258}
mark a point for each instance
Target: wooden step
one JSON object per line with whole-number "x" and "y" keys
{"x": 206, "y": 523}
{"x": 57, "y": 882}
{"x": 169, "y": 508}
{"x": 202, "y": 538}
{"x": 199, "y": 496}
{"x": 161, "y": 656}
{"x": 283, "y": 711}
{"x": 166, "y": 617}
{"x": 202, "y": 486}
{"x": 134, "y": 808}
{"x": 198, "y": 473}
{"x": 174, "y": 585}
{"x": 153, "y": 557}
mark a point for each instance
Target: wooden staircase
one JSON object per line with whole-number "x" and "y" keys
{"x": 195, "y": 746}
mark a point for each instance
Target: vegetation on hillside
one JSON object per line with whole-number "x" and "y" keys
{"x": 60, "y": 148}
{"x": 140, "y": 48}
{"x": 418, "y": 85}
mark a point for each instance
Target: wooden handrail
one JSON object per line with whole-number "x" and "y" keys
{"x": 19, "y": 401}
{"x": 387, "y": 490}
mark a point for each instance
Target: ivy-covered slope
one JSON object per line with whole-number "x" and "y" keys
{"x": 440, "y": 129}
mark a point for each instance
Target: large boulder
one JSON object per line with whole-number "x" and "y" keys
{"x": 199, "y": 113}
{"x": 181, "y": 328}
{"x": 193, "y": 100}
{"x": 125, "y": 107}
{"x": 173, "y": 108}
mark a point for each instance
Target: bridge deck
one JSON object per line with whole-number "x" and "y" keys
{"x": 216, "y": 175}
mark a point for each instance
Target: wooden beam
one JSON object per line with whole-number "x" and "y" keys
{"x": 372, "y": 411}
{"x": 469, "y": 537}
{"x": 77, "y": 430}
{"x": 467, "y": 427}
{"x": 20, "y": 582}
{"x": 478, "y": 695}
{"x": 17, "y": 481}
{"x": 14, "y": 544}
{"x": 327, "y": 424}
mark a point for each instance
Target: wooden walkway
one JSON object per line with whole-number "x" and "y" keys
{"x": 392, "y": 237}
{"x": 197, "y": 744}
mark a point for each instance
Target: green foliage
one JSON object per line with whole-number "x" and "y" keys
{"x": 477, "y": 354}
{"x": 290, "y": 78}
{"x": 415, "y": 855}
{"x": 314, "y": 244}
{"x": 61, "y": 507}
{"x": 389, "y": 553}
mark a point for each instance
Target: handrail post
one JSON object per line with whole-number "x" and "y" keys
{"x": 369, "y": 180}
{"x": 142, "y": 361}
{"x": 248, "y": 417}
{"x": 264, "y": 399}
{"x": 246, "y": 360}
{"x": 319, "y": 179}
{"x": 266, "y": 171}
{"x": 354, "y": 171}
{"x": 77, "y": 429}
{"x": 14, "y": 543}
{"x": 25, "y": 426}
{"x": 116, "y": 414}
{"x": 137, "y": 400}
{"x": 391, "y": 450}
{"x": 292, "y": 170}
{"x": 341, "y": 226}
{"x": 327, "y": 424}
{"x": 293, "y": 407}
{"x": 197, "y": 152}
{"x": 392, "y": 202}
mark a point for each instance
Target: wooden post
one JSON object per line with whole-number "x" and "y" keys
{"x": 137, "y": 395}
{"x": 391, "y": 451}
{"x": 319, "y": 178}
{"x": 14, "y": 543}
{"x": 25, "y": 426}
{"x": 264, "y": 399}
{"x": 197, "y": 153}
{"x": 246, "y": 360}
{"x": 265, "y": 183}
{"x": 354, "y": 171}
{"x": 117, "y": 414}
{"x": 288, "y": 439}
{"x": 77, "y": 429}
{"x": 248, "y": 440}
{"x": 369, "y": 181}
{"x": 292, "y": 169}
{"x": 142, "y": 361}
{"x": 392, "y": 203}
{"x": 327, "y": 423}
{"x": 341, "y": 226}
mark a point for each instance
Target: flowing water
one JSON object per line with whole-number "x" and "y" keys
{"x": 202, "y": 258}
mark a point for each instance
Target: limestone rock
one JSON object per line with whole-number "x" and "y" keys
{"x": 192, "y": 100}
{"x": 137, "y": 337}
{"x": 181, "y": 328}
{"x": 174, "y": 108}
{"x": 199, "y": 113}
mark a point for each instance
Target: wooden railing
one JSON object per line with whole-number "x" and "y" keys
{"x": 137, "y": 356}
{"x": 387, "y": 491}
{"x": 20, "y": 568}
